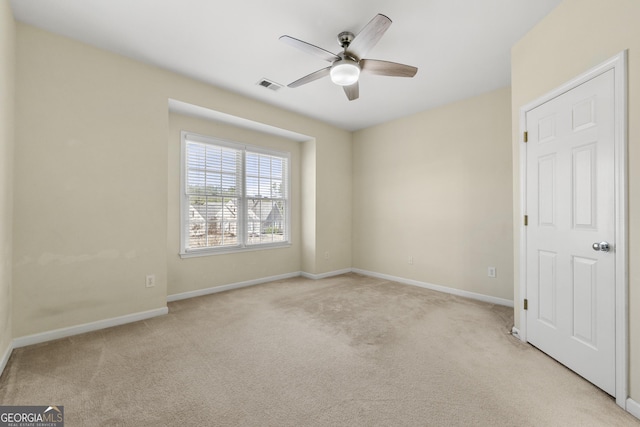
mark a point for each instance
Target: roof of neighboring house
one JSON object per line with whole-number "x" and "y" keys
{"x": 266, "y": 210}
{"x": 214, "y": 210}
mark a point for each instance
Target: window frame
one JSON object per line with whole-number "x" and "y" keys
{"x": 243, "y": 245}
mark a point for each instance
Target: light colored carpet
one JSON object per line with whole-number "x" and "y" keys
{"x": 344, "y": 351}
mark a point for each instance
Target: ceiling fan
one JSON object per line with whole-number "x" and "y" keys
{"x": 347, "y": 65}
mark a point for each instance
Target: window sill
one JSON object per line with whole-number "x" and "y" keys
{"x": 232, "y": 250}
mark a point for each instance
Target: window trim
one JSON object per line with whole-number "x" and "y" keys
{"x": 185, "y": 252}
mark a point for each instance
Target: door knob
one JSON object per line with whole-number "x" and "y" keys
{"x": 602, "y": 246}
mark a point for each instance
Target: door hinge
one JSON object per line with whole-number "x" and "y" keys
{"x": 526, "y": 220}
{"x": 526, "y": 304}
{"x": 525, "y": 137}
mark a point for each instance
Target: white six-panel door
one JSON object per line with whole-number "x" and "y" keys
{"x": 570, "y": 204}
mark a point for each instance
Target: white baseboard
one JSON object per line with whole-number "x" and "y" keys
{"x": 5, "y": 357}
{"x": 230, "y": 286}
{"x": 325, "y": 275}
{"x": 86, "y": 327}
{"x": 439, "y": 288}
{"x": 222, "y": 288}
{"x": 633, "y": 407}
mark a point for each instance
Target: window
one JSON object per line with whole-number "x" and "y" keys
{"x": 234, "y": 197}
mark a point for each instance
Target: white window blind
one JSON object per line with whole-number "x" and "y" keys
{"x": 234, "y": 196}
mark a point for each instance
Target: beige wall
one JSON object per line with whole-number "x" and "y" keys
{"x": 7, "y": 92}
{"x": 191, "y": 274}
{"x": 308, "y": 206}
{"x": 92, "y": 184}
{"x": 576, "y": 36}
{"x": 436, "y": 186}
{"x": 333, "y": 205}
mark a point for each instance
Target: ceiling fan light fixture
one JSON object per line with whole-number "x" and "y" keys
{"x": 345, "y": 72}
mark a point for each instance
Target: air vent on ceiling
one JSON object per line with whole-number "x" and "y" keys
{"x": 269, "y": 85}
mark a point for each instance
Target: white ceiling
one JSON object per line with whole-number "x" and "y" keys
{"x": 461, "y": 47}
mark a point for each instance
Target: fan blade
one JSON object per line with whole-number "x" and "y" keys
{"x": 352, "y": 91}
{"x": 369, "y": 36}
{"x": 311, "y": 49}
{"x": 311, "y": 77}
{"x": 386, "y": 68}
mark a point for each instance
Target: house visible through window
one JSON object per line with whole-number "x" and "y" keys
{"x": 234, "y": 196}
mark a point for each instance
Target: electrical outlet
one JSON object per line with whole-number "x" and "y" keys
{"x": 410, "y": 260}
{"x": 326, "y": 255}
{"x": 150, "y": 280}
{"x": 491, "y": 272}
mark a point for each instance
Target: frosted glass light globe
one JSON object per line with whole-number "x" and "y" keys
{"x": 345, "y": 72}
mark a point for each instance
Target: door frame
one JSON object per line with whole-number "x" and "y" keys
{"x": 618, "y": 63}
